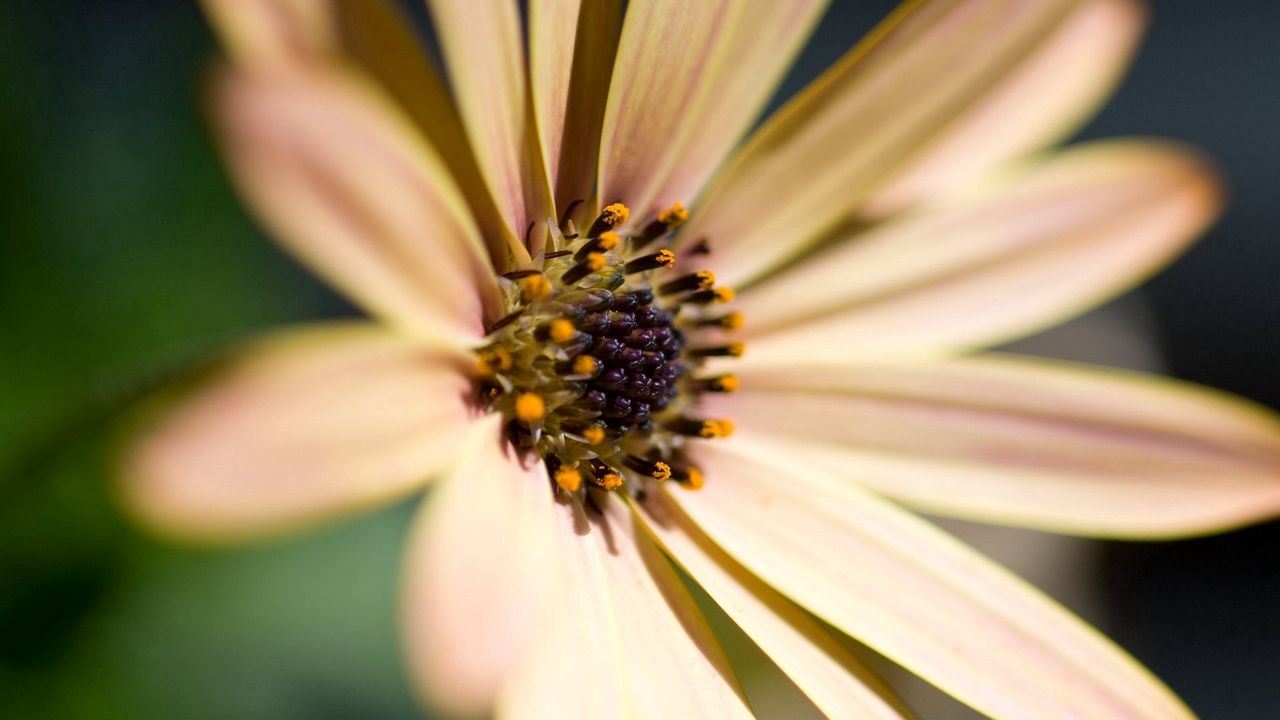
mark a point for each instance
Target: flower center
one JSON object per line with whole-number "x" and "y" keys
{"x": 597, "y": 363}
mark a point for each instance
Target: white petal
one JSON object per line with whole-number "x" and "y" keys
{"x": 479, "y": 571}
{"x": 914, "y": 594}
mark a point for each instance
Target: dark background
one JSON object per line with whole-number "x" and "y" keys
{"x": 124, "y": 257}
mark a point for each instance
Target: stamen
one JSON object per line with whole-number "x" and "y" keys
{"x": 613, "y": 215}
{"x": 673, "y": 217}
{"x": 558, "y": 330}
{"x": 663, "y": 258}
{"x": 605, "y": 476}
{"x": 568, "y": 213}
{"x": 719, "y": 384}
{"x": 498, "y": 358}
{"x": 584, "y": 365}
{"x": 730, "y": 321}
{"x": 593, "y": 262}
{"x": 699, "y": 247}
{"x": 700, "y": 428}
{"x": 530, "y": 407}
{"x": 702, "y": 280}
{"x": 568, "y": 478}
{"x": 705, "y": 297}
{"x": 594, "y": 434}
{"x": 730, "y": 350}
{"x": 534, "y": 287}
{"x": 690, "y": 477}
{"x": 653, "y": 468}
{"x": 606, "y": 241}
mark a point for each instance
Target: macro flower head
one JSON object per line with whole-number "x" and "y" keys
{"x": 614, "y": 330}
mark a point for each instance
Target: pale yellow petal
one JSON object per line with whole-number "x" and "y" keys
{"x": 483, "y": 49}
{"x": 294, "y": 428}
{"x": 375, "y": 38}
{"x": 765, "y": 41}
{"x": 625, "y": 640}
{"x": 1024, "y": 442}
{"x": 1020, "y": 254}
{"x": 837, "y": 682}
{"x": 479, "y": 573}
{"x": 571, "y": 51}
{"x": 669, "y": 56}
{"x": 974, "y": 81}
{"x": 347, "y": 186}
{"x": 913, "y": 593}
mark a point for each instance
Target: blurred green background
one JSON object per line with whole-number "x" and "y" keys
{"x": 124, "y": 258}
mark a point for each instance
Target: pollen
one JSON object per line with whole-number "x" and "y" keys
{"x": 608, "y": 240}
{"x": 724, "y": 294}
{"x": 615, "y": 214}
{"x": 674, "y": 216}
{"x": 534, "y": 287}
{"x": 724, "y": 384}
{"x": 584, "y": 365}
{"x": 561, "y": 331}
{"x": 661, "y": 471}
{"x": 666, "y": 258}
{"x": 718, "y": 428}
{"x": 569, "y": 479}
{"x": 691, "y": 477}
{"x": 530, "y": 407}
{"x": 609, "y": 480}
{"x": 595, "y": 261}
{"x": 594, "y": 434}
{"x": 732, "y": 321}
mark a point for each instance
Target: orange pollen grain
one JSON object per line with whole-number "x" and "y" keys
{"x": 608, "y": 240}
{"x": 724, "y": 294}
{"x": 534, "y": 287}
{"x": 584, "y": 365}
{"x": 727, "y": 383}
{"x": 530, "y": 407}
{"x": 569, "y": 479}
{"x": 695, "y": 479}
{"x": 674, "y": 216}
{"x": 706, "y": 279}
{"x": 615, "y": 214}
{"x": 610, "y": 481}
{"x": 595, "y": 261}
{"x": 561, "y": 330}
{"x": 666, "y": 258}
{"x": 594, "y": 434}
{"x": 661, "y": 470}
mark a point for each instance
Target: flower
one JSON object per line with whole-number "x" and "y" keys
{"x": 557, "y": 349}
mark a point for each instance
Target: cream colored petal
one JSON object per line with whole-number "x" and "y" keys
{"x": 939, "y": 92}
{"x": 1021, "y": 254}
{"x": 571, "y": 51}
{"x": 837, "y": 683}
{"x": 484, "y": 55}
{"x": 913, "y": 593}
{"x": 669, "y": 58}
{"x": 764, "y": 44}
{"x": 347, "y": 186}
{"x": 294, "y": 428}
{"x": 1024, "y": 442}
{"x": 375, "y": 38}
{"x": 479, "y": 572}
{"x": 626, "y": 640}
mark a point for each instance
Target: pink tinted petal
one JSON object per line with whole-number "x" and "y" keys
{"x": 349, "y": 187}
{"x": 913, "y": 593}
{"x": 484, "y": 54}
{"x": 975, "y": 81}
{"x": 478, "y": 572}
{"x": 669, "y": 58}
{"x": 1023, "y": 442}
{"x": 571, "y": 52}
{"x": 625, "y": 638}
{"x": 297, "y": 427}
{"x": 837, "y": 682}
{"x": 1020, "y": 254}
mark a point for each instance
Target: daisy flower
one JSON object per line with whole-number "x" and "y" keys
{"x": 549, "y": 243}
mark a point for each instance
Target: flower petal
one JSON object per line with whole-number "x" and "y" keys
{"x": 915, "y": 594}
{"x": 837, "y": 682}
{"x": 668, "y": 60}
{"x": 479, "y": 571}
{"x": 484, "y": 54}
{"x": 764, "y": 44}
{"x": 296, "y": 427}
{"x": 1021, "y": 254}
{"x": 627, "y": 640}
{"x": 347, "y": 186}
{"x": 570, "y": 75}
{"x": 1024, "y": 442}
{"x": 375, "y": 38}
{"x": 974, "y": 81}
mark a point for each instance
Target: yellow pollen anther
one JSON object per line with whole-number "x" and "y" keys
{"x": 595, "y": 261}
{"x": 716, "y": 428}
{"x": 695, "y": 480}
{"x": 732, "y": 321}
{"x": 569, "y": 479}
{"x": 594, "y": 434}
{"x": 498, "y": 358}
{"x": 726, "y": 383}
{"x": 674, "y": 216}
{"x": 584, "y": 365}
{"x": 724, "y": 294}
{"x": 560, "y": 330}
{"x": 608, "y": 240}
{"x": 534, "y": 287}
{"x": 665, "y": 258}
{"x": 530, "y": 407}
{"x": 661, "y": 470}
{"x": 615, "y": 214}
{"x": 610, "y": 481}
{"x": 484, "y": 370}
{"x": 706, "y": 279}
{"x": 736, "y": 349}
